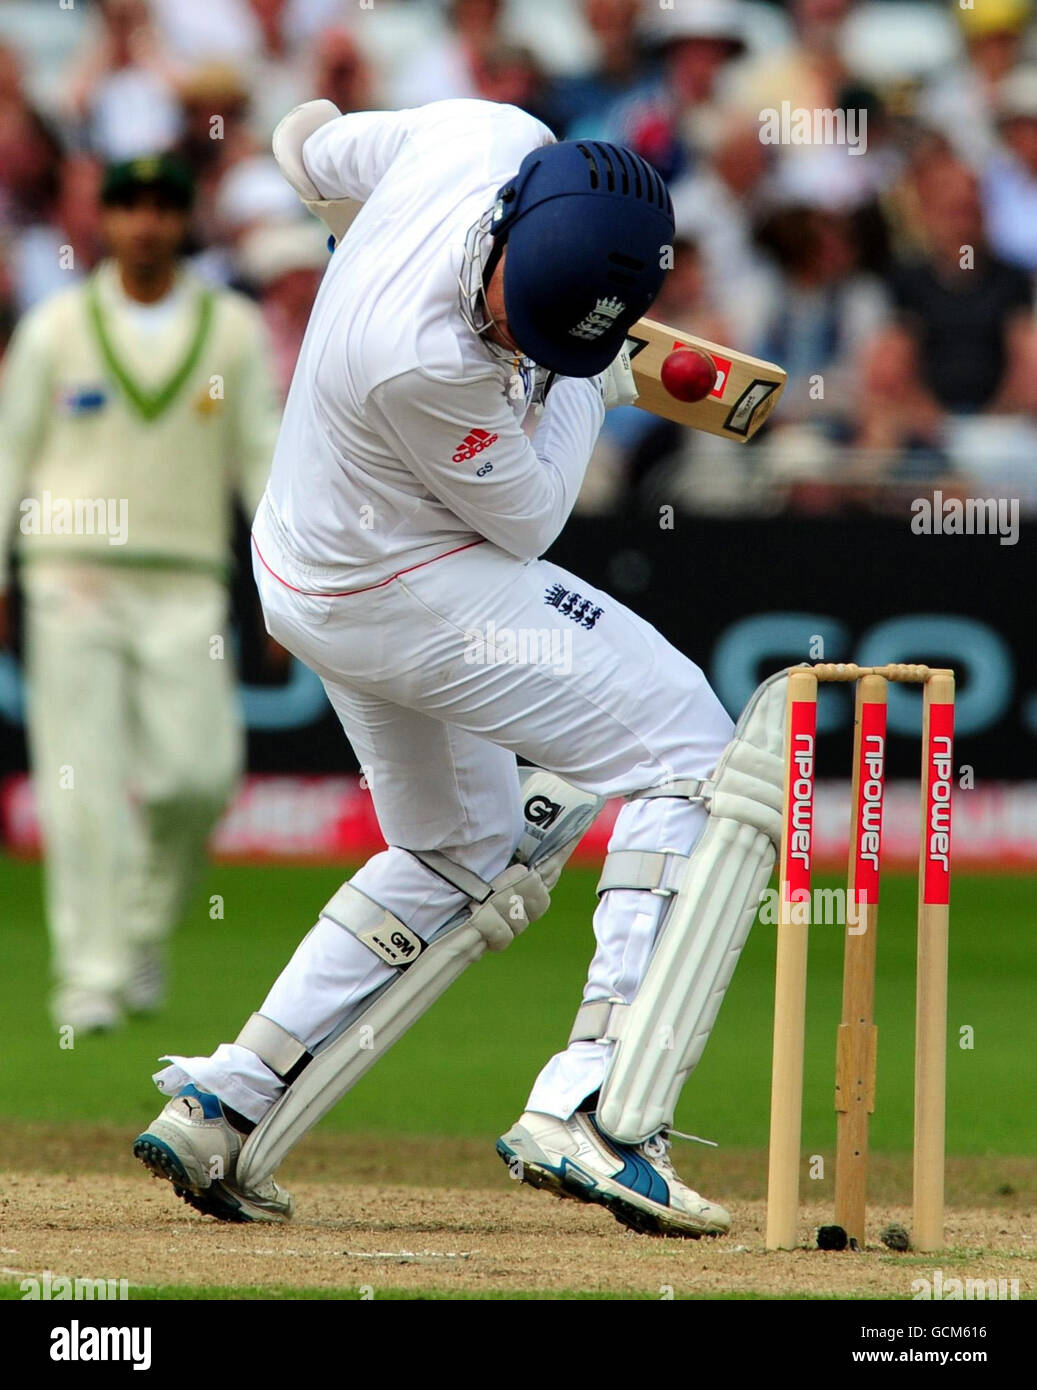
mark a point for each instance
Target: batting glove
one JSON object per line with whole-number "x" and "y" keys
{"x": 291, "y": 134}
{"x": 617, "y": 382}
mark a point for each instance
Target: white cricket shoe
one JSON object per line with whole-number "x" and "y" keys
{"x": 637, "y": 1183}
{"x": 194, "y": 1146}
{"x": 85, "y": 1010}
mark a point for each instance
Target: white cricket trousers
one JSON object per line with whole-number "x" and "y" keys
{"x": 135, "y": 745}
{"x": 440, "y": 677}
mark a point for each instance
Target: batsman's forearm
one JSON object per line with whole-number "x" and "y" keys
{"x": 565, "y": 437}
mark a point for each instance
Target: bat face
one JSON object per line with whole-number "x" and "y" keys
{"x": 746, "y": 390}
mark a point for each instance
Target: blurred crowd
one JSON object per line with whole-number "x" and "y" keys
{"x": 888, "y": 261}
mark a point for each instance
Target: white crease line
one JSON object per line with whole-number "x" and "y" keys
{"x": 409, "y": 1254}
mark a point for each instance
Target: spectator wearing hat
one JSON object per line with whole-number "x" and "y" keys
{"x": 809, "y": 71}
{"x": 216, "y": 136}
{"x": 282, "y": 263}
{"x": 133, "y": 408}
{"x": 963, "y": 101}
{"x": 671, "y": 121}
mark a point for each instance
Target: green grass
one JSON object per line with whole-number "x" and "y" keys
{"x": 206, "y": 1292}
{"x": 465, "y": 1069}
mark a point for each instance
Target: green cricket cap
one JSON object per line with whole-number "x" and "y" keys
{"x": 158, "y": 173}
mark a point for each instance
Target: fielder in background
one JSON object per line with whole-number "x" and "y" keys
{"x": 133, "y": 408}
{"x": 485, "y": 270}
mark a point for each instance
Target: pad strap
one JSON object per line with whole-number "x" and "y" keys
{"x": 380, "y": 930}
{"x": 657, "y": 871}
{"x": 686, "y": 788}
{"x": 654, "y": 871}
{"x": 471, "y": 885}
{"x": 600, "y": 1020}
{"x": 500, "y": 910}
{"x": 280, "y": 1050}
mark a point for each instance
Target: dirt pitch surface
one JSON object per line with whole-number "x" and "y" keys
{"x": 443, "y": 1217}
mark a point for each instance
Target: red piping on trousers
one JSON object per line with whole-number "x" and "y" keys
{"x": 348, "y": 593}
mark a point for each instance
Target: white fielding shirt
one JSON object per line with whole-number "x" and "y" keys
{"x": 372, "y": 473}
{"x": 68, "y": 429}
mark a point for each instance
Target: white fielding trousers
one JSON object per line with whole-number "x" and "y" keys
{"x": 135, "y": 743}
{"x": 440, "y": 677}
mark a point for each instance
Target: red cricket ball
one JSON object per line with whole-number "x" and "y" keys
{"x": 688, "y": 374}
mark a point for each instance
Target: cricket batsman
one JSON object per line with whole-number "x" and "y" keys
{"x": 135, "y": 406}
{"x": 488, "y": 274}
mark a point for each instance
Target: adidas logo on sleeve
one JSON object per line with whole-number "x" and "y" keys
{"x": 474, "y": 442}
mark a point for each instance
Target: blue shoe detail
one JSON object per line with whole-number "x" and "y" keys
{"x": 571, "y": 1181}
{"x": 156, "y": 1154}
{"x": 211, "y": 1108}
{"x": 510, "y": 1157}
{"x": 565, "y": 1181}
{"x": 637, "y": 1173}
{"x": 160, "y": 1159}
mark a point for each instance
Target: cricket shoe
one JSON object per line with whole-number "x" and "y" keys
{"x": 637, "y": 1183}
{"x": 193, "y": 1145}
{"x": 86, "y": 1010}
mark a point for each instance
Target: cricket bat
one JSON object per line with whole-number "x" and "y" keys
{"x": 746, "y": 390}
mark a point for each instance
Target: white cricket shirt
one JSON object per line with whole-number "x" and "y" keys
{"x": 399, "y": 442}
{"x": 72, "y": 432}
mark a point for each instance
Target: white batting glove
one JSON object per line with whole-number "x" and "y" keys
{"x": 291, "y": 134}
{"x": 617, "y": 382}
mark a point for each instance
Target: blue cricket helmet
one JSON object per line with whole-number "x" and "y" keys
{"x": 586, "y": 224}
